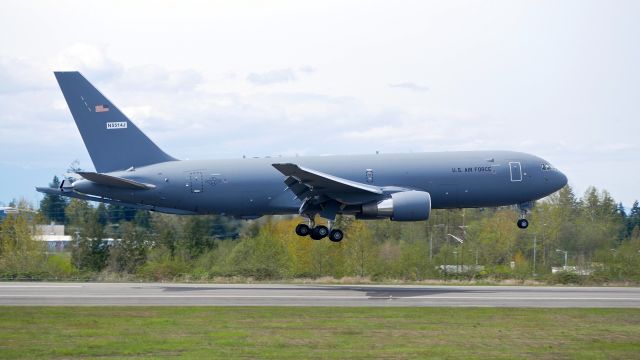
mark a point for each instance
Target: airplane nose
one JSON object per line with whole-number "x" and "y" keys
{"x": 561, "y": 179}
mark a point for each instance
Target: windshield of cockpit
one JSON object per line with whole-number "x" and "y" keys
{"x": 547, "y": 167}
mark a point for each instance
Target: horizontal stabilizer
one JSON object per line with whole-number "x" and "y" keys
{"x": 114, "y": 181}
{"x": 73, "y": 194}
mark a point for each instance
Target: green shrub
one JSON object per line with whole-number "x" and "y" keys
{"x": 566, "y": 278}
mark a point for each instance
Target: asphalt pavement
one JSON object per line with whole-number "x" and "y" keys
{"x": 131, "y": 294}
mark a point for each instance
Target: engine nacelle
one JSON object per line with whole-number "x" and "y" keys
{"x": 401, "y": 206}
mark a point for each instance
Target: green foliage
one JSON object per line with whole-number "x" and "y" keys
{"x": 130, "y": 252}
{"x": 262, "y": 257}
{"x": 160, "y": 265}
{"x": 497, "y": 236}
{"x": 594, "y": 230}
{"x": 633, "y": 220}
{"x": 167, "y": 231}
{"x": 53, "y": 206}
{"x": 118, "y": 213}
{"x": 522, "y": 267}
{"x": 566, "y": 278}
{"x": 103, "y": 214}
{"x": 20, "y": 255}
{"x": 89, "y": 251}
{"x": 58, "y": 266}
{"x": 78, "y": 213}
{"x": 362, "y": 253}
{"x": 197, "y": 237}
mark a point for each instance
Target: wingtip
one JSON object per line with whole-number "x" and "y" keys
{"x": 284, "y": 166}
{"x": 46, "y": 190}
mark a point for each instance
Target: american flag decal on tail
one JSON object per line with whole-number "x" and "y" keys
{"x": 102, "y": 108}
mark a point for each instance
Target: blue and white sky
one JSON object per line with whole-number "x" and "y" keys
{"x": 223, "y": 79}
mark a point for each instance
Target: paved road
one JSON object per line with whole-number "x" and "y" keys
{"x": 15, "y": 293}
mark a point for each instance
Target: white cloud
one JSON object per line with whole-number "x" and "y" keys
{"x": 20, "y": 74}
{"x": 307, "y": 69}
{"x": 409, "y": 86}
{"x": 272, "y": 77}
{"x": 157, "y": 78}
{"x": 278, "y": 76}
{"x": 88, "y": 59}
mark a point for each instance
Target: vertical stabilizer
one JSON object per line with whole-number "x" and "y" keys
{"x": 113, "y": 141}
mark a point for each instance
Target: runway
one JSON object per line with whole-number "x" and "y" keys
{"x": 161, "y": 294}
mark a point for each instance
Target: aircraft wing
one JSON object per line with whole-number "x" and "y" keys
{"x": 305, "y": 183}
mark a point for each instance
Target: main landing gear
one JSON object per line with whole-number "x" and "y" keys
{"x": 319, "y": 232}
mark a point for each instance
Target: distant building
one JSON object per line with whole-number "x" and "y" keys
{"x": 460, "y": 269}
{"x": 54, "y": 236}
{"x": 57, "y": 241}
{"x": 5, "y": 210}
{"x": 577, "y": 270}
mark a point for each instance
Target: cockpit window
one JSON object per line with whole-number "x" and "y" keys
{"x": 546, "y": 167}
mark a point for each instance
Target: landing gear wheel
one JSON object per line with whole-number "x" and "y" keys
{"x": 319, "y": 232}
{"x": 523, "y": 223}
{"x": 336, "y": 235}
{"x": 303, "y": 230}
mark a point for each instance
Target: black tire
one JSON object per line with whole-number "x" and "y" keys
{"x": 303, "y": 230}
{"x": 336, "y": 235}
{"x": 523, "y": 223}
{"x": 319, "y": 232}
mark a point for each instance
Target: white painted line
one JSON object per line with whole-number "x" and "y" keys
{"x": 519, "y": 298}
{"x": 40, "y": 286}
{"x": 107, "y": 296}
{"x": 187, "y": 297}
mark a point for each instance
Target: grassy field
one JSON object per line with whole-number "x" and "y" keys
{"x": 302, "y": 332}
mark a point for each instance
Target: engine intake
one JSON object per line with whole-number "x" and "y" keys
{"x": 401, "y": 206}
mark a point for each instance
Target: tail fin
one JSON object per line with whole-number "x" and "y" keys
{"x": 113, "y": 141}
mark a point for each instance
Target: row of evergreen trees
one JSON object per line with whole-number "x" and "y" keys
{"x": 595, "y": 232}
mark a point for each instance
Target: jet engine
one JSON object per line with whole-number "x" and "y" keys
{"x": 401, "y": 206}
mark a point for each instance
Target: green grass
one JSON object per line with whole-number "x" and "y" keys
{"x": 305, "y": 332}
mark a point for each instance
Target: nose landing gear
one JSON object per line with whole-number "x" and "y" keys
{"x": 523, "y": 223}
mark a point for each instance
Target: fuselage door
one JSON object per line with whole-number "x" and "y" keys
{"x": 195, "y": 181}
{"x": 515, "y": 170}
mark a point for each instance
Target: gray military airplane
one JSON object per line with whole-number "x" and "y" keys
{"x": 133, "y": 171}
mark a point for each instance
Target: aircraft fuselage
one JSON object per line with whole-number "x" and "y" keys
{"x": 251, "y": 187}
